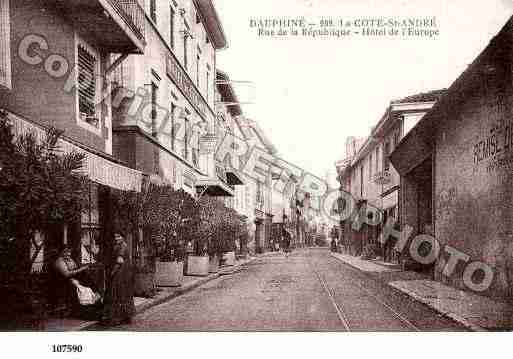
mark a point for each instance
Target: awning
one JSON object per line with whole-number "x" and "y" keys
{"x": 214, "y": 187}
{"x": 97, "y": 168}
{"x": 233, "y": 177}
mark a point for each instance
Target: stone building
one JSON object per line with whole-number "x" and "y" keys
{"x": 165, "y": 99}
{"x": 366, "y": 172}
{"x": 456, "y": 179}
{"x": 56, "y": 59}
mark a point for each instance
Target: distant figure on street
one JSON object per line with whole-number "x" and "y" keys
{"x": 286, "y": 242}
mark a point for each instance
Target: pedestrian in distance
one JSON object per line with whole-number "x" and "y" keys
{"x": 286, "y": 242}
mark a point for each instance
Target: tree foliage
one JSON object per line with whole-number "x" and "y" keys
{"x": 39, "y": 186}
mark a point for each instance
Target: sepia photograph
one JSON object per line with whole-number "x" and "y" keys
{"x": 227, "y": 167}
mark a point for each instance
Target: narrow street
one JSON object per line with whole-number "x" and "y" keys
{"x": 309, "y": 291}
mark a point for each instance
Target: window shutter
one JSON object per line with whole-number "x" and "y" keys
{"x": 5, "y": 48}
{"x": 87, "y": 63}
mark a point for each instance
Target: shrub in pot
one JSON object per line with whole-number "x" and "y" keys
{"x": 170, "y": 265}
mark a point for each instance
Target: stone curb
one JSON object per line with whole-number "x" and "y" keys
{"x": 419, "y": 299}
{"x": 385, "y": 268}
{"x": 178, "y": 292}
{"x": 453, "y": 316}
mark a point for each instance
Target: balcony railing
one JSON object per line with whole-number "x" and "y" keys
{"x": 133, "y": 15}
{"x": 382, "y": 177}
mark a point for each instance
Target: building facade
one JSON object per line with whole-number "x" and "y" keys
{"x": 56, "y": 59}
{"x": 165, "y": 99}
{"x": 456, "y": 181}
{"x": 368, "y": 175}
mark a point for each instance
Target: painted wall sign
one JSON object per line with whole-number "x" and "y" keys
{"x": 498, "y": 141}
{"x": 183, "y": 82}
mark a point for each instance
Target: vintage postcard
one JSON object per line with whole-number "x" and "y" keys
{"x": 235, "y": 166}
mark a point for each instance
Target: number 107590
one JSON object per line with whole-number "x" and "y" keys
{"x": 66, "y": 348}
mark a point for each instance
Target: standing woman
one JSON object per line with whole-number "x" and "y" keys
{"x": 119, "y": 300}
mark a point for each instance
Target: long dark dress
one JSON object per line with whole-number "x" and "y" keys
{"x": 119, "y": 299}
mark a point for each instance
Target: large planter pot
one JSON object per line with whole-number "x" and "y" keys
{"x": 144, "y": 285}
{"x": 169, "y": 274}
{"x": 229, "y": 258}
{"x": 213, "y": 266}
{"x": 198, "y": 266}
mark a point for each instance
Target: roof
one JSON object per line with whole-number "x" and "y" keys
{"x": 261, "y": 136}
{"x": 212, "y": 23}
{"x": 429, "y": 96}
{"x": 494, "y": 60}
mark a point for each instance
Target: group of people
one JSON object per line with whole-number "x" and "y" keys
{"x": 284, "y": 244}
{"x": 117, "y": 305}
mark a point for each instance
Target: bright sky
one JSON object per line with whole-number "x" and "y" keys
{"x": 310, "y": 94}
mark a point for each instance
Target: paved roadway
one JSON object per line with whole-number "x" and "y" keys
{"x": 309, "y": 291}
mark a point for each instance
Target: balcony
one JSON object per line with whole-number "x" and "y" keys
{"x": 217, "y": 186}
{"x": 117, "y": 24}
{"x": 382, "y": 177}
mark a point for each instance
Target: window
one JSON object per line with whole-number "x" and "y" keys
{"x": 377, "y": 159}
{"x": 361, "y": 180}
{"x": 87, "y": 84}
{"x": 186, "y": 140}
{"x": 5, "y": 45}
{"x": 185, "y": 59}
{"x": 396, "y": 139}
{"x": 370, "y": 166}
{"x": 154, "y": 96}
{"x": 153, "y": 10}
{"x": 386, "y": 160}
{"x": 197, "y": 70}
{"x": 173, "y": 135}
{"x": 198, "y": 19}
{"x": 206, "y": 85}
{"x": 171, "y": 27}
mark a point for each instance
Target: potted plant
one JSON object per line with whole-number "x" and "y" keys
{"x": 170, "y": 265}
{"x": 204, "y": 241}
{"x": 231, "y": 227}
{"x": 175, "y": 227}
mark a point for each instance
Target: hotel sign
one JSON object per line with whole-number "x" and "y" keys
{"x": 182, "y": 80}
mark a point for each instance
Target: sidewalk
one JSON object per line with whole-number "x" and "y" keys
{"x": 141, "y": 304}
{"x": 367, "y": 265}
{"x": 475, "y": 312}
